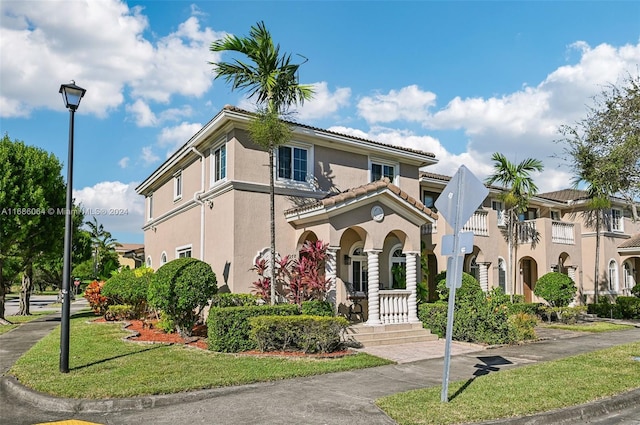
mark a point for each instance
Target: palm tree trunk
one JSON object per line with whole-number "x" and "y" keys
{"x": 272, "y": 207}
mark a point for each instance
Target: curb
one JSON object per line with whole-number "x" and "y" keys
{"x": 51, "y": 403}
{"x": 595, "y": 409}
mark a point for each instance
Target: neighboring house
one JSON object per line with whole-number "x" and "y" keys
{"x": 372, "y": 205}
{"x": 130, "y": 254}
{"x": 564, "y": 243}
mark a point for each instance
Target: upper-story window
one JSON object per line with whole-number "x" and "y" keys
{"x": 294, "y": 163}
{"x": 429, "y": 200}
{"x": 498, "y": 207}
{"x": 177, "y": 185}
{"x": 379, "y": 169}
{"x": 616, "y": 223}
{"x": 218, "y": 163}
{"x": 555, "y": 215}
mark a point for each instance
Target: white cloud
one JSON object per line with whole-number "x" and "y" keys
{"x": 324, "y": 102}
{"x": 142, "y": 113}
{"x": 174, "y": 137}
{"x": 147, "y": 156}
{"x": 409, "y": 103}
{"x": 104, "y": 52}
{"x": 114, "y": 204}
{"x": 124, "y": 162}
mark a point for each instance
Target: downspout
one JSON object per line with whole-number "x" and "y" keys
{"x": 196, "y": 198}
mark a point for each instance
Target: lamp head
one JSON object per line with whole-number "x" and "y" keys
{"x": 71, "y": 94}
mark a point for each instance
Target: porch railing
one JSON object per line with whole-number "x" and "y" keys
{"x": 562, "y": 233}
{"x": 394, "y": 306}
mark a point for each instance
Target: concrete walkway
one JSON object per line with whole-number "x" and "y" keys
{"x": 337, "y": 398}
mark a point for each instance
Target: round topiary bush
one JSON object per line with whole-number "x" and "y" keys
{"x": 181, "y": 289}
{"x": 555, "y": 288}
{"x": 470, "y": 287}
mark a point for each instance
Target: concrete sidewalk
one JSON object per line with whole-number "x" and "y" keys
{"x": 337, "y": 398}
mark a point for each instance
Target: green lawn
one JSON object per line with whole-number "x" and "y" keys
{"x": 17, "y": 320}
{"x": 103, "y": 365}
{"x": 522, "y": 391}
{"x": 589, "y": 327}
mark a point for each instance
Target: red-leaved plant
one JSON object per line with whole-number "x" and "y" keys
{"x": 98, "y": 302}
{"x": 298, "y": 280}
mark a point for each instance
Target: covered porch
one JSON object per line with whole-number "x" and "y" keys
{"x": 373, "y": 260}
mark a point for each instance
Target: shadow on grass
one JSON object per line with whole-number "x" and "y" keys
{"x": 155, "y": 347}
{"x": 487, "y": 366}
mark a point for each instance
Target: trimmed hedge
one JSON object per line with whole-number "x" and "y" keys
{"x": 310, "y": 334}
{"x": 228, "y": 328}
{"x": 624, "y": 308}
{"x": 317, "y": 308}
{"x": 234, "y": 300}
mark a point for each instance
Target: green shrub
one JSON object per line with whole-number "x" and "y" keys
{"x": 556, "y": 288}
{"x": 635, "y": 291}
{"x": 434, "y": 317}
{"x": 228, "y": 328}
{"x": 523, "y": 325}
{"x": 120, "y": 312}
{"x": 534, "y": 309}
{"x": 129, "y": 287}
{"x": 469, "y": 288}
{"x": 310, "y": 334}
{"x": 317, "y": 308}
{"x": 569, "y": 315}
{"x": 181, "y": 289}
{"x": 604, "y": 308}
{"x": 166, "y": 324}
{"x": 234, "y": 300}
{"x": 629, "y": 307}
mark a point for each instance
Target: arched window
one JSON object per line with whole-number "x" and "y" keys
{"x": 359, "y": 269}
{"x": 502, "y": 274}
{"x": 629, "y": 278}
{"x": 149, "y": 261}
{"x": 398, "y": 268}
{"x": 613, "y": 276}
{"x": 474, "y": 270}
{"x": 163, "y": 258}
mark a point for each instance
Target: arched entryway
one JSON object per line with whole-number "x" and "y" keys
{"x": 528, "y": 277}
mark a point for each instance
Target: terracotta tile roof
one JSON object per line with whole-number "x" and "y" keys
{"x": 359, "y": 191}
{"x": 634, "y": 242}
{"x": 430, "y": 154}
{"x": 435, "y": 176}
{"x": 565, "y": 195}
{"x": 125, "y": 247}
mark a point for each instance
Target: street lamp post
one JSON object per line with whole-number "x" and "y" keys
{"x": 71, "y": 95}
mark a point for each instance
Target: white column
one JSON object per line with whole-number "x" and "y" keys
{"x": 330, "y": 274}
{"x": 374, "y": 286}
{"x": 412, "y": 285}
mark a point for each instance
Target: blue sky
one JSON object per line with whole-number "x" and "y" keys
{"x": 459, "y": 79}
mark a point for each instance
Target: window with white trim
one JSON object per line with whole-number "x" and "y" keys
{"x": 359, "y": 269}
{"x": 183, "y": 252}
{"x": 163, "y": 258}
{"x": 613, "y": 276}
{"x": 294, "y": 163}
{"x": 149, "y": 263}
{"x": 429, "y": 200}
{"x": 616, "y": 222}
{"x": 498, "y": 207}
{"x": 502, "y": 274}
{"x": 177, "y": 185}
{"x": 218, "y": 163}
{"x": 555, "y": 215}
{"x": 379, "y": 169}
{"x": 398, "y": 268}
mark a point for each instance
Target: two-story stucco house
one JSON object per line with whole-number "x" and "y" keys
{"x": 210, "y": 200}
{"x": 374, "y": 207}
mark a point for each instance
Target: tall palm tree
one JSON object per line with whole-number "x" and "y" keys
{"x": 103, "y": 242}
{"x": 271, "y": 79}
{"x": 520, "y": 188}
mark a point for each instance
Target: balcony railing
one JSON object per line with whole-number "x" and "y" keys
{"x": 526, "y": 231}
{"x": 562, "y": 233}
{"x": 477, "y": 224}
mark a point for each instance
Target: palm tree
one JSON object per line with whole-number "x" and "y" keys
{"x": 104, "y": 244}
{"x": 520, "y": 188}
{"x": 272, "y": 80}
